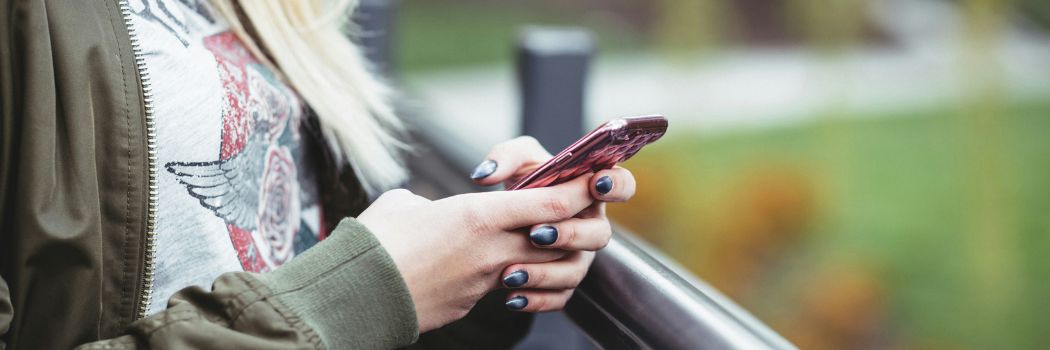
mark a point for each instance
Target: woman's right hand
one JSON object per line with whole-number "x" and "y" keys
{"x": 452, "y": 251}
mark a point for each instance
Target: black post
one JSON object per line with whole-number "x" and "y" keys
{"x": 374, "y": 22}
{"x": 552, "y": 72}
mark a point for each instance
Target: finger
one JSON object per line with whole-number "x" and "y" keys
{"x": 572, "y": 234}
{"x": 514, "y": 249}
{"x": 538, "y": 300}
{"x": 512, "y": 158}
{"x": 595, "y": 210}
{"x": 613, "y": 185}
{"x": 510, "y": 210}
{"x": 566, "y": 273}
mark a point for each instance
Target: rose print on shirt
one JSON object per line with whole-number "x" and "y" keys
{"x": 279, "y": 203}
{"x": 253, "y": 184}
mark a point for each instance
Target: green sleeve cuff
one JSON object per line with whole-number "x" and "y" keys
{"x": 349, "y": 291}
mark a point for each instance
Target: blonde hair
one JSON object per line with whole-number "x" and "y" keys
{"x": 305, "y": 44}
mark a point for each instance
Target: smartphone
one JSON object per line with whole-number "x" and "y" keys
{"x": 610, "y": 144}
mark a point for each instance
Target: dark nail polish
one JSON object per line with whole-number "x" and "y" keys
{"x": 544, "y": 235}
{"x": 516, "y": 279}
{"x": 484, "y": 169}
{"x": 604, "y": 185}
{"x": 517, "y": 303}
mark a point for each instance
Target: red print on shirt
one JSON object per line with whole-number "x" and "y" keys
{"x": 254, "y": 184}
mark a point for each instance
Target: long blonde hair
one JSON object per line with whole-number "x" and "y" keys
{"x": 305, "y": 43}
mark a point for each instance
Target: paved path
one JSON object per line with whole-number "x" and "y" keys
{"x": 739, "y": 89}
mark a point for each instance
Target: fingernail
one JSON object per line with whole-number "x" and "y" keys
{"x": 544, "y": 235}
{"x": 517, "y": 303}
{"x": 604, "y": 185}
{"x": 516, "y": 279}
{"x": 483, "y": 170}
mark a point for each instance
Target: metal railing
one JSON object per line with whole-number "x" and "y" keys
{"x": 633, "y": 297}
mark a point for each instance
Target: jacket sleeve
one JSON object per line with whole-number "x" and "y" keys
{"x": 343, "y": 293}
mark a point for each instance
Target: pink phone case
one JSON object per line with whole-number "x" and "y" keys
{"x": 611, "y": 143}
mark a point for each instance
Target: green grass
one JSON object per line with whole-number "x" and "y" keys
{"x": 949, "y": 215}
{"x": 451, "y": 34}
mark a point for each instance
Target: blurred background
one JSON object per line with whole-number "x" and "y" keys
{"x": 857, "y": 173}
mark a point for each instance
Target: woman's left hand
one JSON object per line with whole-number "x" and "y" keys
{"x": 548, "y": 286}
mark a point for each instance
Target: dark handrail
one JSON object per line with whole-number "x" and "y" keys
{"x": 633, "y": 297}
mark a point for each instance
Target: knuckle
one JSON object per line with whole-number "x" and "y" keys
{"x": 557, "y": 207}
{"x": 538, "y": 277}
{"x": 606, "y": 235}
{"x": 495, "y": 262}
{"x": 488, "y": 263}
{"x": 542, "y": 304}
{"x": 492, "y": 266}
{"x": 577, "y": 277}
{"x": 476, "y": 293}
{"x": 460, "y": 311}
{"x": 497, "y": 150}
{"x": 517, "y": 145}
{"x": 473, "y": 216}
{"x": 570, "y": 234}
{"x": 513, "y": 143}
{"x": 604, "y": 243}
{"x": 558, "y": 303}
{"x": 527, "y": 140}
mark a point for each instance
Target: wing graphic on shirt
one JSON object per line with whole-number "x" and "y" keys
{"x": 230, "y": 187}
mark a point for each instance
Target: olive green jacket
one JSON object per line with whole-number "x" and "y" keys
{"x": 75, "y": 219}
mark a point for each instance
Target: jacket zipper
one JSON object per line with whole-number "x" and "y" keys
{"x": 149, "y": 255}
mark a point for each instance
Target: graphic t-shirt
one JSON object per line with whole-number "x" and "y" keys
{"x": 236, "y": 188}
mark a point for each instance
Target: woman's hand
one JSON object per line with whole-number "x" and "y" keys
{"x": 451, "y": 252}
{"x": 547, "y": 286}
